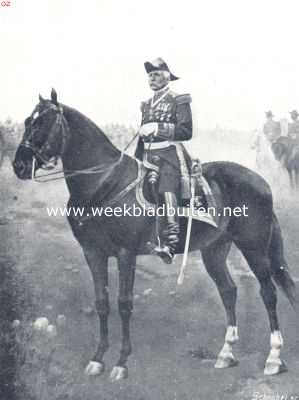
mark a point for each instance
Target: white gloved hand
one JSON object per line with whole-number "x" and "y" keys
{"x": 148, "y": 129}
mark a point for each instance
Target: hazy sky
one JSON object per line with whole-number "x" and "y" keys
{"x": 236, "y": 58}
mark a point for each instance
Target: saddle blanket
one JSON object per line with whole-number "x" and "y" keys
{"x": 202, "y": 203}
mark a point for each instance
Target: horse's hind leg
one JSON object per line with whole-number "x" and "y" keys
{"x": 214, "y": 259}
{"x": 297, "y": 178}
{"x": 98, "y": 264}
{"x": 126, "y": 266}
{"x": 292, "y": 179}
{"x": 260, "y": 264}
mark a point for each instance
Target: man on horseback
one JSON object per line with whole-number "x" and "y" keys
{"x": 271, "y": 128}
{"x": 166, "y": 120}
{"x": 293, "y": 127}
{"x": 293, "y": 135}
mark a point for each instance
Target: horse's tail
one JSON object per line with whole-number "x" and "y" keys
{"x": 279, "y": 267}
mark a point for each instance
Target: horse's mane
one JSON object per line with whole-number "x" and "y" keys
{"x": 94, "y": 133}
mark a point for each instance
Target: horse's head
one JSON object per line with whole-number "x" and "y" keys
{"x": 44, "y": 140}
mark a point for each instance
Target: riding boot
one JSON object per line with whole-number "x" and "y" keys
{"x": 171, "y": 233}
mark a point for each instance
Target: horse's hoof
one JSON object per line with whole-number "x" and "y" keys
{"x": 119, "y": 373}
{"x": 94, "y": 368}
{"x": 275, "y": 368}
{"x": 226, "y": 362}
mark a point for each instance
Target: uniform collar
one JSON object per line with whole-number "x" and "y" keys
{"x": 160, "y": 92}
{"x": 159, "y": 95}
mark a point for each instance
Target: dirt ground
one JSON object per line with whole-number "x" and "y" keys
{"x": 176, "y": 331}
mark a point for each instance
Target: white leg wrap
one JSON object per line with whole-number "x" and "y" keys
{"x": 226, "y": 358}
{"x": 94, "y": 368}
{"x": 274, "y": 365}
{"x": 118, "y": 373}
{"x": 232, "y": 334}
{"x": 276, "y": 340}
{"x": 226, "y": 351}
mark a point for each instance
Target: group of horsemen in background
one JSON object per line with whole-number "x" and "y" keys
{"x": 272, "y": 131}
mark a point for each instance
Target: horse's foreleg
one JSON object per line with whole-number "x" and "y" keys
{"x": 297, "y": 178}
{"x": 98, "y": 264}
{"x": 215, "y": 261}
{"x": 292, "y": 176}
{"x": 126, "y": 266}
{"x": 260, "y": 265}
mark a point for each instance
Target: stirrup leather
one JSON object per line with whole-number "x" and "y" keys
{"x": 170, "y": 234}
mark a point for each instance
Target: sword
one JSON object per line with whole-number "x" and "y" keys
{"x": 130, "y": 142}
{"x": 187, "y": 242}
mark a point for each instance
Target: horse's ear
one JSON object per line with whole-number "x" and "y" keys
{"x": 54, "y": 97}
{"x": 41, "y": 99}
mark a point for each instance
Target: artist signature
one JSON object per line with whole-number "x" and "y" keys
{"x": 5, "y": 3}
{"x": 274, "y": 396}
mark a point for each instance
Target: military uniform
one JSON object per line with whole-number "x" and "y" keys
{"x": 172, "y": 113}
{"x": 293, "y": 135}
{"x": 272, "y": 130}
{"x": 166, "y": 120}
{"x": 293, "y": 131}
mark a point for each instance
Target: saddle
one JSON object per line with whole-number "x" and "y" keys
{"x": 145, "y": 186}
{"x": 147, "y": 192}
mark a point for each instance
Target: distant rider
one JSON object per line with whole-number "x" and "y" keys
{"x": 271, "y": 128}
{"x": 293, "y": 127}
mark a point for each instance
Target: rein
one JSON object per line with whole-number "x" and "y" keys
{"x": 69, "y": 173}
{"x": 92, "y": 170}
{"x": 61, "y": 123}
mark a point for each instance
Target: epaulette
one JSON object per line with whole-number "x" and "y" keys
{"x": 142, "y": 104}
{"x": 173, "y": 94}
{"x": 183, "y": 98}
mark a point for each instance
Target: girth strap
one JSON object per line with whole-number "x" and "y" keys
{"x": 141, "y": 172}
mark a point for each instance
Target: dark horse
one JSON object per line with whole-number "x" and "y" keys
{"x": 287, "y": 152}
{"x": 96, "y": 172}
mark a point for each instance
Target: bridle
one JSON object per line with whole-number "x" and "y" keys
{"x": 60, "y": 125}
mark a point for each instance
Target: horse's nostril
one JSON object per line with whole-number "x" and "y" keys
{"x": 17, "y": 164}
{"x": 19, "y": 167}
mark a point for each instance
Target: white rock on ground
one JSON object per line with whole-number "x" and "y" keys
{"x": 88, "y": 310}
{"x": 41, "y": 324}
{"x": 147, "y": 291}
{"x": 51, "y": 330}
{"x": 61, "y": 320}
{"x": 16, "y": 323}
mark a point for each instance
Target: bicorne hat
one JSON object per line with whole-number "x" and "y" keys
{"x": 158, "y": 65}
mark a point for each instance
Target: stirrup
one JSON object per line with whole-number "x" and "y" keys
{"x": 165, "y": 254}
